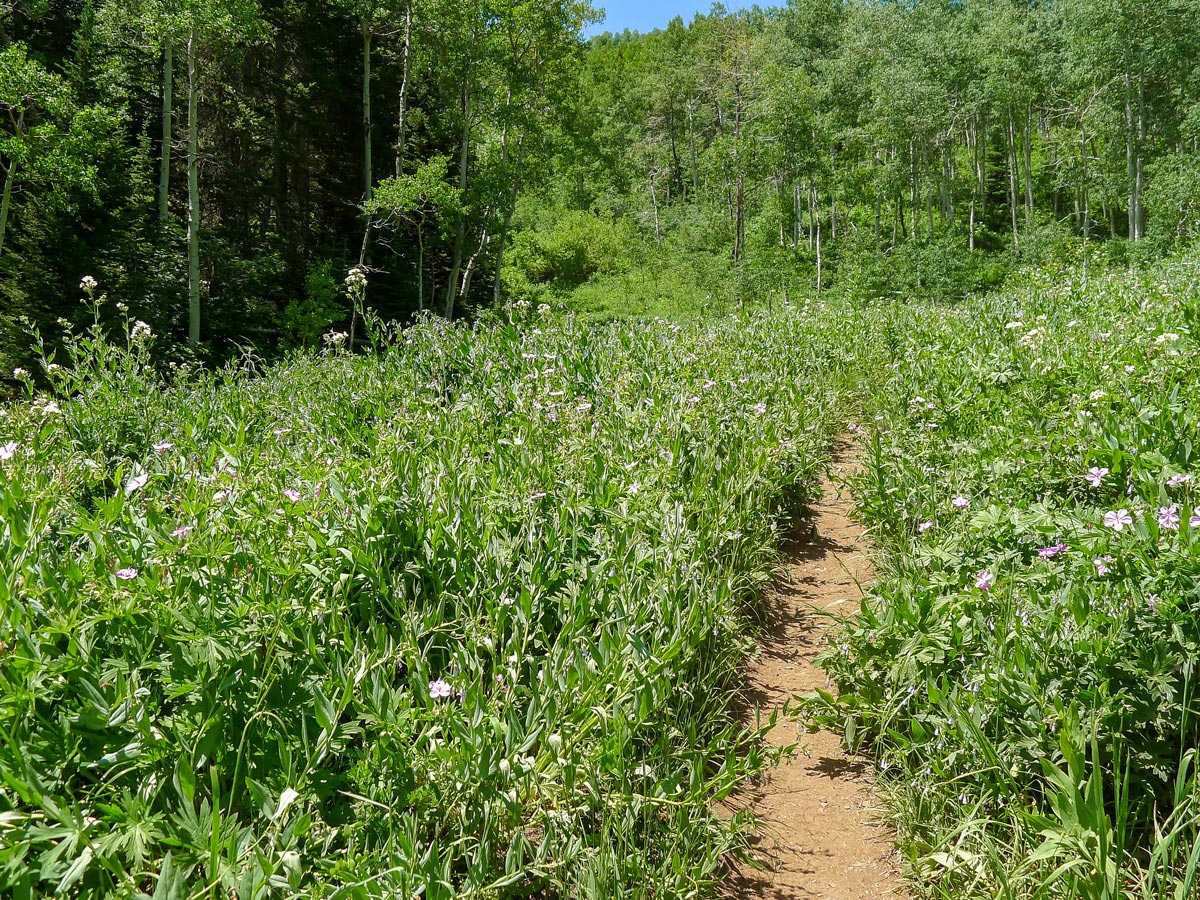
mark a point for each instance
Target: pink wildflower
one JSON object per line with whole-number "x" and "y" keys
{"x": 1168, "y": 518}
{"x": 1051, "y": 552}
{"x": 1117, "y": 519}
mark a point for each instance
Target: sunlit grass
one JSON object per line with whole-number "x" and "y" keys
{"x": 1025, "y": 668}
{"x": 462, "y": 617}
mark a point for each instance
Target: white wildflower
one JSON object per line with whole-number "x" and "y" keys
{"x": 140, "y": 332}
{"x": 356, "y": 280}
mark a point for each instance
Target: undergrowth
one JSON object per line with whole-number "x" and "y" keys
{"x": 1025, "y": 670}
{"x": 460, "y": 617}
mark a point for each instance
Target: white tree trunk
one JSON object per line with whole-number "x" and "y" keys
{"x": 463, "y": 158}
{"x": 10, "y": 179}
{"x": 164, "y": 175}
{"x": 654, "y": 206}
{"x": 400, "y": 121}
{"x": 193, "y": 171}
{"x": 368, "y": 168}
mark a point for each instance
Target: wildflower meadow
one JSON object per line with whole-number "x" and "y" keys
{"x": 1024, "y": 670}
{"x": 463, "y": 614}
{"x": 437, "y": 438}
{"x": 458, "y": 617}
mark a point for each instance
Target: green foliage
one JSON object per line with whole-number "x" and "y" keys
{"x": 566, "y": 249}
{"x": 525, "y": 163}
{"x": 305, "y": 320}
{"x": 941, "y": 269}
{"x": 1025, "y": 666}
{"x": 462, "y": 618}
{"x": 45, "y": 139}
{"x": 1173, "y": 201}
{"x": 416, "y": 197}
{"x": 422, "y": 200}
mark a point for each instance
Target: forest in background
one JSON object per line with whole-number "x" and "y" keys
{"x": 461, "y": 609}
{"x": 219, "y": 165}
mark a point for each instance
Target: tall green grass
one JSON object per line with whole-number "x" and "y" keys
{"x": 461, "y": 617}
{"x": 1025, "y": 669}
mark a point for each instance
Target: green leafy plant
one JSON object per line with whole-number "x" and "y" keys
{"x": 459, "y": 617}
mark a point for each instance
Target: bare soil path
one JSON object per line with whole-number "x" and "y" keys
{"x": 821, "y": 838}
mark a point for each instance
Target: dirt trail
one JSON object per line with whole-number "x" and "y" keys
{"x": 821, "y": 840}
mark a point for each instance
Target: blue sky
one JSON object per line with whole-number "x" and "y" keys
{"x": 646, "y": 15}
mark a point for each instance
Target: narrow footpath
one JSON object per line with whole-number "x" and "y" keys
{"x": 821, "y": 838}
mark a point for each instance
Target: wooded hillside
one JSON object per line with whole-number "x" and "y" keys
{"x": 219, "y": 165}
